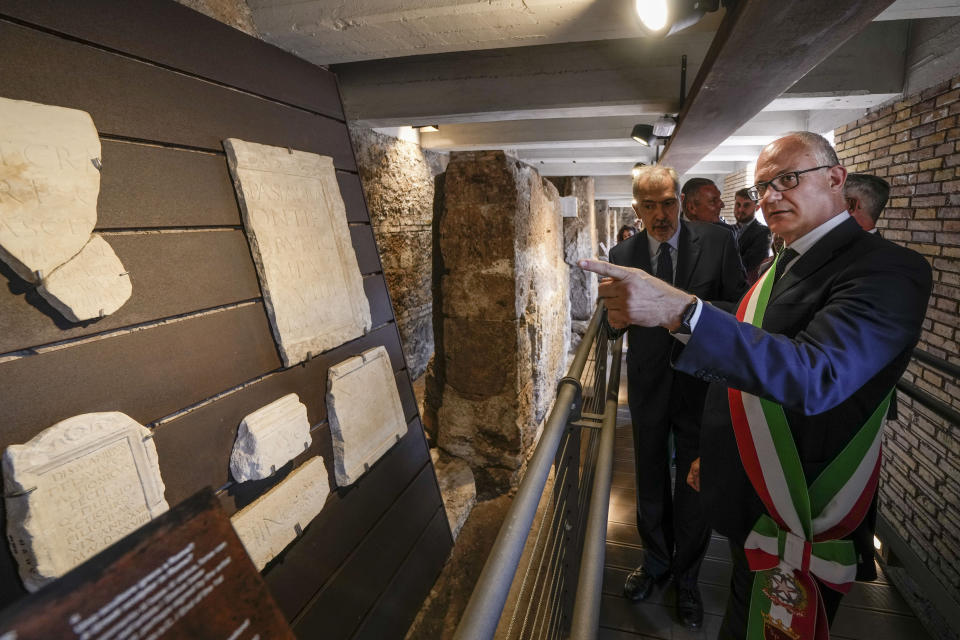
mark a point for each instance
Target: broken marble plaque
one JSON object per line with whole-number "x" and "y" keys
{"x": 91, "y": 285}
{"x": 366, "y": 417}
{"x": 270, "y": 437}
{"x": 296, "y": 224}
{"x": 49, "y": 182}
{"x": 276, "y": 518}
{"x": 75, "y": 489}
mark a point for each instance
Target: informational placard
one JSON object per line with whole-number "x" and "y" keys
{"x": 183, "y": 575}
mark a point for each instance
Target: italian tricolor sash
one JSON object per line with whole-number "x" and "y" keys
{"x": 799, "y": 536}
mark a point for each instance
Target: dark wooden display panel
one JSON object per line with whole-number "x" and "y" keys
{"x": 192, "y": 352}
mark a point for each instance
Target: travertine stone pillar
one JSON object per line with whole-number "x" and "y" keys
{"x": 579, "y": 243}
{"x": 504, "y": 313}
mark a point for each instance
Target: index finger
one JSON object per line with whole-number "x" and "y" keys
{"x": 608, "y": 269}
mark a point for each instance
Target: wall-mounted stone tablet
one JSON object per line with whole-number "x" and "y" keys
{"x": 75, "y": 489}
{"x": 366, "y": 417}
{"x": 90, "y": 285}
{"x": 49, "y": 182}
{"x": 270, "y": 437}
{"x": 275, "y": 519}
{"x": 296, "y": 224}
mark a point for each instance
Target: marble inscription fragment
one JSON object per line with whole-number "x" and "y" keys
{"x": 92, "y": 284}
{"x": 270, "y": 437}
{"x": 296, "y": 224}
{"x": 276, "y": 518}
{"x": 49, "y": 183}
{"x": 366, "y": 417}
{"x": 75, "y": 489}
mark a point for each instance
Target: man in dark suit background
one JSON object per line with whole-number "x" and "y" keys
{"x": 703, "y": 259}
{"x": 866, "y": 197}
{"x": 845, "y": 311}
{"x": 753, "y": 238}
{"x": 700, "y": 201}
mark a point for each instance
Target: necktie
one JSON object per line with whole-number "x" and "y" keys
{"x": 785, "y": 257}
{"x": 664, "y": 263}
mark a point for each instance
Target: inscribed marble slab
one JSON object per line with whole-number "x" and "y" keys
{"x": 366, "y": 417}
{"x": 269, "y": 524}
{"x": 269, "y": 438}
{"x": 49, "y": 182}
{"x": 75, "y": 489}
{"x": 90, "y": 285}
{"x": 296, "y": 224}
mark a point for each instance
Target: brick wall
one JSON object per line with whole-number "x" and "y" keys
{"x": 732, "y": 183}
{"x": 915, "y": 145}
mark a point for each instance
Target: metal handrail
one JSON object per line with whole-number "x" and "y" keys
{"x": 586, "y": 610}
{"x": 939, "y": 407}
{"x": 483, "y": 611}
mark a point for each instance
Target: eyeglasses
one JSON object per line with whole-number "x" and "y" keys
{"x": 783, "y": 182}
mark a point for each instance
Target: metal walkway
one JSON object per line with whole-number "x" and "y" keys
{"x": 871, "y": 611}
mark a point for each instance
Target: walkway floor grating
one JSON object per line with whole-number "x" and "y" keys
{"x": 871, "y": 611}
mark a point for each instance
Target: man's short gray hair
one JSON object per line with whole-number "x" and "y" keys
{"x": 655, "y": 173}
{"x": 872, "y": 191}
{"x": 823, "y": 151}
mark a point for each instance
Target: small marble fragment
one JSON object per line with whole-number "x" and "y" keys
{"x": 366, "y": 417}
{"x": 270, "y": 437}
{"x": 91, "y": 285}
{"x": 75, "y": 489}
{"x": 49, "y": 184}
{"x": 296, "y": 224}
{"x": 269, "y": 524}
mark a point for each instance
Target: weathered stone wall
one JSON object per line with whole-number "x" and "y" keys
{"x": 235, "y": 13}
{"x": 915, "y": 145}
{"x": 579, "y": 243}
{"x": 505, "y": 317}
{"x": 398, "y": 182}
{"x": 603, "y": 214}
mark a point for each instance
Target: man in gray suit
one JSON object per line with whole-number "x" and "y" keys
{"x": 702, "y": 259}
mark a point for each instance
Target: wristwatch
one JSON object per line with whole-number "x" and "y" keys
{"x": 687, "y": 318}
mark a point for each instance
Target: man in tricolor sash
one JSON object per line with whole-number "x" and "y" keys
{"x": 790, "y": 441}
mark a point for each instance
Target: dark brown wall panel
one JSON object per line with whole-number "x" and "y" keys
{"x": 133, "y": 99}
{"x": 352, "y": 192}
{"x": 171, "y": 273}
{"x": 398, "y": 605}
{"x": 343, "y": 602}
{"x": 365, "y": 247}
{"x": 213, "y": 427}
{"x": 190, "y": 42}
{"x": 149, "y": 186}
{"x": 376, "y": 289}
{"x": 146, "y": 374}
{"x": 296, "y": 575}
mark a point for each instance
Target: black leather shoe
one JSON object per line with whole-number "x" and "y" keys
{"x": 639, "y": 584}
{"x": 689, "y": 607}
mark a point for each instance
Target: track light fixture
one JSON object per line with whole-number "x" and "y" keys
{"x": 427, "y": 128}
{"x": 664, "y": 126}
{"x": 643, "y": 133}
{"x": 666, "y": 17}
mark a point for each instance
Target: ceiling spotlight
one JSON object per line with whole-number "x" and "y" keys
{"x": 427, "y": 128}
{"x": 665, "y": 17}
{"x": 643, "y": 133}
{"x": 664, "y": 126}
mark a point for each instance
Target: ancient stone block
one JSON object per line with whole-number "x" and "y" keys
{"x": 269, "y": 438}
{"x": 275, "y": 519}
{"x": 457, "y": 488}
{"x": 366, "y": 417}
{"x": 297, "y": 227}
{"x": 504, "y": 298}
{"x": 579, "y": 243}
{"x": 90, "y": 285}
{"x": 76, "y": 488}
{"x": 49, "y": 182}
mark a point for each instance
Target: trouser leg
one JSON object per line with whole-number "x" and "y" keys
{"x": 654, "y": 503}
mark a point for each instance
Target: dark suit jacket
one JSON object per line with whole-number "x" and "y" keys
{"x": 837, "y": 335}
{"x": 708, "y": 266}
{"x": 754, "y": 242}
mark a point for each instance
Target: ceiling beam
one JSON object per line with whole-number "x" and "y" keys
{"x": 782, "y": 46}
